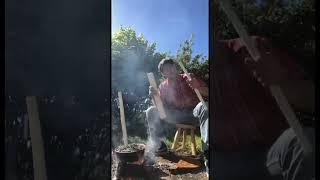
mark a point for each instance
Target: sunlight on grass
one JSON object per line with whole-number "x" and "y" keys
{"x": 187, "y": 148}
{"x": 168, "y": 141}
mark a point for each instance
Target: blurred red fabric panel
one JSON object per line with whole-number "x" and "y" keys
{"x": 245, "y": 113}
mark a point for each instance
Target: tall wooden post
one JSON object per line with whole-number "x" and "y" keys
{"x": 39, "y": 165}
{"x": 25, "y": 127}
{"x": 123, "y": 119}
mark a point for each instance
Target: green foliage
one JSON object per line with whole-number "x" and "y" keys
{"x": 199, "y": 65}
{"x": 132, "y": 57}
{"x": 187, "y": 149}
{"x": 289, "y": 24}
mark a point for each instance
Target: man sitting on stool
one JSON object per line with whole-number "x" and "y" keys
{"x": 181, "y": 105}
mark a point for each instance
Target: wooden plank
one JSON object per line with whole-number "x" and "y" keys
{"x": 291, "y": 117}
{"x": 39, "y": 165}
{"x": 183, "y": 164}
{"x": 157, "y": 99}
{"x": 123, "y": 120}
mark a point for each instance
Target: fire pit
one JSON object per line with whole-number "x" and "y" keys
{"x": 130, "y": 160}
{"x": 132, "y": 153}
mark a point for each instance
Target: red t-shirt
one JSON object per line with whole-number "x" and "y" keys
{"x": 245, "y": 114}
{"x": 179, "y": 95}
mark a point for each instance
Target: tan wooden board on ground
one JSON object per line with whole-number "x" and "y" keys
{"x": 182, "y": 164}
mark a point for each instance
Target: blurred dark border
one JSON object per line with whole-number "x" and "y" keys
{"x": 211, "y": 57}
{"x": 57, "y": 47}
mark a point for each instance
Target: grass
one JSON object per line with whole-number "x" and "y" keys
{"x": 168, "y": 142}
{"x": 187, "y": 148}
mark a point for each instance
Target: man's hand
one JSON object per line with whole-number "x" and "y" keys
{"x": 193, "y": 83}
{"x": 204, "y": 91}
{"x": 276, "y": 67}
{"x": 153, "y": 91}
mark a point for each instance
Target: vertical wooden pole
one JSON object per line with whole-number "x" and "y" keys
{"x": 123, "y": 120}
{"x": 39, "y": 165}
{"x": 25, "y": 127}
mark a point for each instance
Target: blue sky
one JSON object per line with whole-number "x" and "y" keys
{"x": 166, "y": 22}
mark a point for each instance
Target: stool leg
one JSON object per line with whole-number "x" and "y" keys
{"x": 184, "y": 138}
{"x": 176, "y": 139}
{"x": 193, "y": 144}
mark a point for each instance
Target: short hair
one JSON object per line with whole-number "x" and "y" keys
{"x": 165, "y": 61}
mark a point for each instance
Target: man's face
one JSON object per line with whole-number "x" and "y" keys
{"x": 169, "y": 70}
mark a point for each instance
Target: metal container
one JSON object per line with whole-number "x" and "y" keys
{"x": 130, "y": 157}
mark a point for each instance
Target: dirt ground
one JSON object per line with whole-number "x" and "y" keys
{"x": 165, "y": 167}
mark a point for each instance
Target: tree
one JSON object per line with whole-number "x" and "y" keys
{"x": 132, "y": 57}
{"x": 198, "y": 64}
{"x": 289, "y": 24}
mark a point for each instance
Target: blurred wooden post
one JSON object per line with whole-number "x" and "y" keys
{"x": 25, "y": 127}
{"x": 184, "y": 135}
{"x": 157, "y": 99}
{"x": 123, "y": 120}
{"x": 39, "y": 165}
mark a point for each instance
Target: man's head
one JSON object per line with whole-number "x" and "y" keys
{"x": 167, "y": 68}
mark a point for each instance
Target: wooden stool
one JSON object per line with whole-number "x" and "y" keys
{"x": 184, "y": 128}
